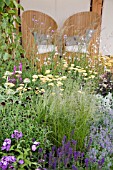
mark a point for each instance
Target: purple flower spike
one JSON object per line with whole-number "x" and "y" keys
{"x": 40, "y": 150}
{"x": 101, "y": 162}
{"x": 90, "y": 142}
{"x": 14, "y": 69}
{"x": 16, "y": 134}
{"x": 64, "y": 140}
{"x": 6, "y": 145}
{"x": 87, "y": 162}
{"x": 74, "y": 167}
{"x": 20, "y": 66}
{"x": 74, "y": 142}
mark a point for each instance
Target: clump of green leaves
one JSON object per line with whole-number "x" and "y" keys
{"x": 9, "y": 35}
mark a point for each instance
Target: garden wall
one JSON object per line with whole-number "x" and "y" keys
{"x": 60, "y": 10}
{"x": 106, "y": 45}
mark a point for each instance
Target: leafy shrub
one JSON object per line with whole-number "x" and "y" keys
{"x": 10, "y": 46}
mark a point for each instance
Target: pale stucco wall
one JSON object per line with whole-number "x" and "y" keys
{"x": 60, "y": 10}
{"x": 106, "y": 45}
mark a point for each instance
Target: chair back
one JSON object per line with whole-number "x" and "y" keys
{"x": 80, "y": 23}
{"x": 38, "y": 20}
{"x": 35, "y": 21}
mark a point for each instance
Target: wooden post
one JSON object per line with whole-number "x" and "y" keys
{"x": 96, "y": 6}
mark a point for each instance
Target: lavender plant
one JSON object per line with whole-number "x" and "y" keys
{"x": 16, "y": 156}
{"x": 64, "y": 157}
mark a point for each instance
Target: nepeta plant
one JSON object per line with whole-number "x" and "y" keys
{"x": 101, "y": 146}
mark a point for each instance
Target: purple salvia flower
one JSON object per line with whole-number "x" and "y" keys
{"x": 60, "y": 155}
{"x": 58, "y": 150}
{"x": 53, "y": 149}
{"x": 64, "y": 140}
{"x": 40, "y": 150}
{"x": 101, "y": 162}
{"x": 66, "y": 161}
{"x": 54, "y": 164}
{"x": 6, "y": 145}
{"x": 86, "y": 162}
{"x": 66, "y": 147}
{"x": 33, "y": 139}
{"x": 74, "y": 142}
{"x": 82, "y": 154}
{"x": 76, "y": 155}
{"x": 70, "y": 152}
{"x": 50, "y": 159}
{"x": 74, "y": 167}
{"x": 72, "y": 133}
{"x": 90, "y": 142}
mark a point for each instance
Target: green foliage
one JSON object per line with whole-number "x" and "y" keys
{"x": 9, "y": 36}
{"x": 23, "y": 116}
{"x": 71, "y": 108}
{"x": 22, "y": 152}
{"x": 73, "y": 111}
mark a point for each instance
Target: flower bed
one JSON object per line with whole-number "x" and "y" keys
{"x": 56, "y": 119}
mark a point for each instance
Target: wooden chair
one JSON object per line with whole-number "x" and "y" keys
{"x": 35, "y": 22}
{"x": 83, "y": 29}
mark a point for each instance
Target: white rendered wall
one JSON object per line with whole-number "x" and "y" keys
{"x": 60, "y": 10}
{"x": 106, "y": 45}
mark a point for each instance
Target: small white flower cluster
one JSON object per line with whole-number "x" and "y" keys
{"x": 105, "y": 103}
